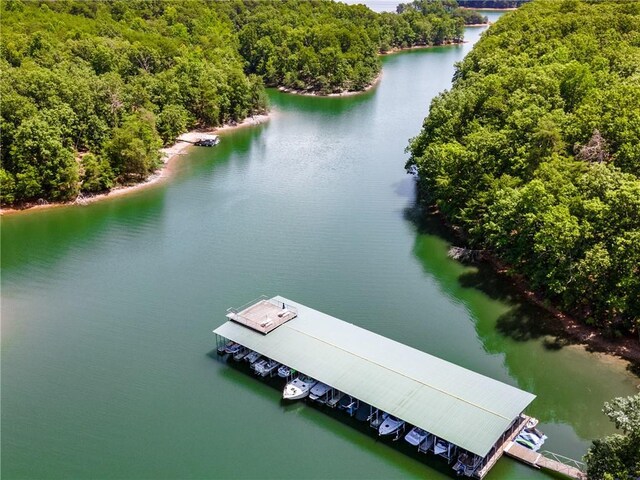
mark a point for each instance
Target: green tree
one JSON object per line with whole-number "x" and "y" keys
{"x": 97, "y": 175}
{"x": 172, "y": 121}
{"x": 133, "y": 149}
{"x": 618, "y": 455}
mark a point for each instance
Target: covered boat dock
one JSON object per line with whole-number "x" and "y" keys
{"x": 478, "y": 415}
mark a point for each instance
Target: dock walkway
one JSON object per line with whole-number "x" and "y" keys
{"x": 559, "y": 464}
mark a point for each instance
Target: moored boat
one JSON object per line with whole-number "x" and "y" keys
{"x": 265, "y": 367}
{"x": 222, "y": 348}
{"x": 390, "y": 425}
{"x": 252, "y": 357}
{"x": 233, "y": 348}
{"x": 532, "y": 439}
{"x": 444, "y": 448}
{"x": 284, "y": 371}
{"x": 416, "y": 436}
{"x": 298, "y": 388}
{"x": 467, "y": 464}
{"x": 241, "y": 354}
{"x": 319, "y": 391}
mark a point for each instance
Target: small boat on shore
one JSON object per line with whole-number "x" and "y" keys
{"x": 416, "y": 436}
{"x": 298, "y": 388}
{"x": 390, "y": 425}
{"x": 207, "y": 142}
{"x": 319, "y": 391}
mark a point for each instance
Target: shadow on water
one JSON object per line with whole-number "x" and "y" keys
{"x": 523, "y": 321}
{"x": 45, "y": 237}
{"x": 359, "y": 432}
{"x": 571, "y": 385}
{"x": 315, "y": 103}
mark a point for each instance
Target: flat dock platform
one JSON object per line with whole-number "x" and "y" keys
{"x": 263, "y": 315}
{"x": 538, "y": 460}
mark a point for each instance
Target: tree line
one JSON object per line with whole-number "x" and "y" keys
{"x": 90, "y": 90}
{"x": 535, "y": 153}
{"x": 617, "y": 456}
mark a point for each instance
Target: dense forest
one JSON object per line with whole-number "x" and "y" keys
{"x": 535, "y": 153}
{"x": 90, "y": 90}
{"x": 480, "y": 4}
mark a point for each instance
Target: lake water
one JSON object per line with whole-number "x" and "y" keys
{"x": 107, "y": 310}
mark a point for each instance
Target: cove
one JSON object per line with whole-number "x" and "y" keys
{"x": 107, "y": 310}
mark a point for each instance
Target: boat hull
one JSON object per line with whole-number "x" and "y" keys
{"x": 390, "y": 426}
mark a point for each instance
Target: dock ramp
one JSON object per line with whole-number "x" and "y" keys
{"x": 547, "y": 460}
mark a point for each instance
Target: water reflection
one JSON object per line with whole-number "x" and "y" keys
{"x": 42, "y": 238}
{"x": 570, "y": 383}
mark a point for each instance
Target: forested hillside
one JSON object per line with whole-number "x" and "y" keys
{"x": 90, "y": 89}
{"x": 480, "y": 4}
{"x": 535, "y": 152}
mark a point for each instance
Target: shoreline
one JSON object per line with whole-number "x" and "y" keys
{"x": 509, "y": 9}
{"x": 568, "y": 331}
{"x": 169, "y": 156}
{"x": 395, "y": 50}
{"x": 376, "y": 80}
{"x": 347, "y": 93}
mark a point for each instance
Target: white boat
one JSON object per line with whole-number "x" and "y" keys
{"x": 441, "y": 446}
{"x": 252, "y": 357}
{"x": 298, "y": 388}
{"x": 265, "y": 367}
{"x": 416, "y": 436}
{"x": 444, "y": 448}
{"x": 531, "y": 423}
{"x": 284, "y": 371}
{"x": 390, "y": 425}
{"x": 318, "y": 391}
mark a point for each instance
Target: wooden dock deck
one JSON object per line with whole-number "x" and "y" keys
{"x": 500, "y": 450}
{"x": 538, "y": 460}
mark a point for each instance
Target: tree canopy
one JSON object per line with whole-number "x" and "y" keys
{"x": 90, "y": 89}
{"x": 534, "y": 152}
{"x": 618, "y": 455}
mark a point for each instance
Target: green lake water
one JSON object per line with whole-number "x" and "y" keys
{"x": 107, "y": 310}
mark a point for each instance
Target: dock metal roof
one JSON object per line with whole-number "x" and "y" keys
{"x": 456, "y": 404}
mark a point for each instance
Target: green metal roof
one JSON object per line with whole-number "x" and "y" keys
{"x": 456, "y": 404}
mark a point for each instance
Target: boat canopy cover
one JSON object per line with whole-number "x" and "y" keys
{"x": 463, "y": 407}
